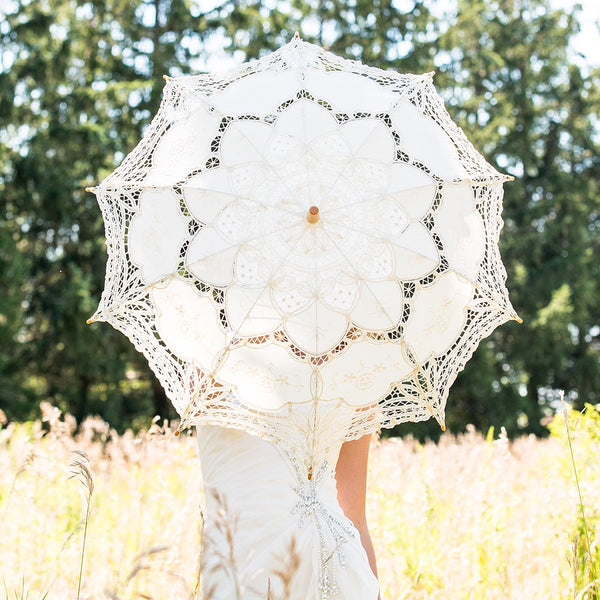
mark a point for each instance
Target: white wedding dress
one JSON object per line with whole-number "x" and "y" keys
{"x": 271, "y": 529}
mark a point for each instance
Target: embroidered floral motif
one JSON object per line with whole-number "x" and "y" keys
{"x": 279, "y": 269}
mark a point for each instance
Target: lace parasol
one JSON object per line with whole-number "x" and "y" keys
{"x": 306, "y": 235}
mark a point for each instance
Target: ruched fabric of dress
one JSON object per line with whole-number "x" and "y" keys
{"x": 270, "y": 531}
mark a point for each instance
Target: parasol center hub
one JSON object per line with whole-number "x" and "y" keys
{"x": 313, "y": 214}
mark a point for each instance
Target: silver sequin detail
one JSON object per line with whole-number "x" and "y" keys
{"x": 310, "y": 507}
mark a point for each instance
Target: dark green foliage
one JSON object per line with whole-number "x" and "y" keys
{"x": 84, "y": 77}
{"x": 533, "y": 114}
{"x": 79, "y": 80}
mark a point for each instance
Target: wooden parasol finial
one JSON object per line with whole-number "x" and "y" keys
{"x": 313, "y": 214}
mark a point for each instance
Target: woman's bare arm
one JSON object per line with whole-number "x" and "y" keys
{"x": 351, "y": 477}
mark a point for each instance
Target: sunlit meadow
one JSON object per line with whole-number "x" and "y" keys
{"x": 467, "y": 518}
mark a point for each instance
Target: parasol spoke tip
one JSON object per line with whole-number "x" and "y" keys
{"x": 90, "y": 189}
{"x": 517, "y": 318}
{"x": 296, "y": 36}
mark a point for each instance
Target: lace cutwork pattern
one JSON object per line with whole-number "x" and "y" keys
{"x": 194, "y": 182}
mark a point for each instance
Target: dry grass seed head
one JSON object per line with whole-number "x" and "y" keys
{"x": 289, "y": 569}
{"x": 81, "y": 470}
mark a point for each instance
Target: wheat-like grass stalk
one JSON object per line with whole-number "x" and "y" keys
{"x": 31, "y": 456}
{"x": 565, "y": 413}
{"x": 288, "y": 570}
{"x": 226, "y": 525}
{"x": 196, "y": 591}
{"x": 513, "y": 547}
{"x": 23, "y": 594}
{"x": 81, "y": 470}
{"x": 591, "y": 586}
{"x": 223, "y": 550}
{"x": 142, "y": 565}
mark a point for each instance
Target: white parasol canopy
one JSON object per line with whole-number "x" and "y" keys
{"x": 304, "y": 234}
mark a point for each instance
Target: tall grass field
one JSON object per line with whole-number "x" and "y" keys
{"x": 96, "y": 515}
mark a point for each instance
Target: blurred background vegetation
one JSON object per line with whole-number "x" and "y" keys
{"x": 79, "y": 81}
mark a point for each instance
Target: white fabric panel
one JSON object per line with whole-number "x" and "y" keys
{"x": 416, "y": 202}
{"x": 183, "y": 148}
{"x": 266, "y": 377}
{"x": 246, "y": 178}
{"x": 379, "y": 305}
{"x": 262, "y": 93}
{"x": 250, "y": 311}
{"x": 415, "y": 253}
{"x": 210, "y": 257}
{"x": 377, "y": 263}
{"x": 253, "y": 266}
{"x": 234, "y": 221}
{"x": 271, "y": 191}
{"x": 316, "y": 328}
{"x": 187, "y": 322}
{"x": 409, "y": 265}
{"x": 284, "y": 151}
{"x": 289, "y": 297}
{"x": 331, "y": 147}
{"x": 460, "y": 227}
{"x": 205, "y": 205}
{"x": 390, "y": 219}
{"x": 244, "y": 139}
{"x": 370, "y": 138}
{"x": 216, "y": 180}
{"x": 349, "y": 92}
{"x": 340, "y": 294}
{"x": 406, "y": 177}
{"x": 423, "y": 139}
{"x": 305, "y": 121}
{"x": 439, "y": 314}
{"x": 364, "y": 371}
{"x": 418, "y": 239}
{"x": 372, "y": 175}
{"x": 155, "y": 233}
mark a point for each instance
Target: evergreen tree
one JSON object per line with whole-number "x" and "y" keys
{"x": 509, "y": 81}
{"x": 84, "y": 78}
